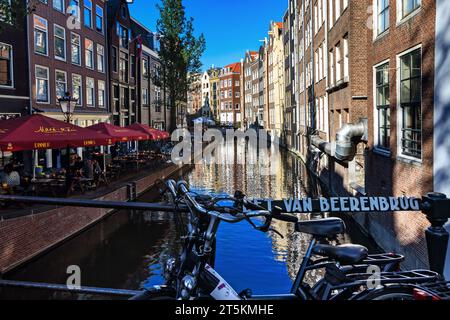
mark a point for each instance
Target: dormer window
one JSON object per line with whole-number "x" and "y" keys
{"x": 123, "y": 12}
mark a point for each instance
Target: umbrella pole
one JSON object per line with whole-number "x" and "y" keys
{"x": 35, "y": 157}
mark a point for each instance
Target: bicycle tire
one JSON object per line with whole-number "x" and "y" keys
{"x": 387, "y": 293}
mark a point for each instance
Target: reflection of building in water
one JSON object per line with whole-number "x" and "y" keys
{"x": 236, "y": 167}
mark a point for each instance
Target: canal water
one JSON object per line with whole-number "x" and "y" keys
{"x": 126, "y": 250}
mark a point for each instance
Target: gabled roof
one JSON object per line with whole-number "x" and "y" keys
{"x": 235, "y": 67}
{"x": 146, "y": 35}
{"x": 279, "y": 24}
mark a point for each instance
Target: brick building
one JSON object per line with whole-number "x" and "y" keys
{"x": 14, "y": 82}
{"x": 249, "y": 110}
{"x": 150, "y": 93}
{"x": 230, "y": 94}
{"x": 67, "y": 52}
{"x": 122, "y": 63}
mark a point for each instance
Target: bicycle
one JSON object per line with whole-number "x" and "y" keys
{"x": 346, "y": 278}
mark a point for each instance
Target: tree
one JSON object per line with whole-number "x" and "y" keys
{"x": 180, "y": 52}
{"x": 13, "y": 12}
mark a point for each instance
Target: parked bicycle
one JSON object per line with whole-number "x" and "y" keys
{"x": 346, "y": 276}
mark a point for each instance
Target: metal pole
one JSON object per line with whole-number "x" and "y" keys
{"x": 434, "y": 206}
{"x": 65, "y": 288}
{"x": 121, "y": 205}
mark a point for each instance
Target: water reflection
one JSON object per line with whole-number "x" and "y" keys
{"x": 127, "y": 249}
{"x": 266, "y": 263}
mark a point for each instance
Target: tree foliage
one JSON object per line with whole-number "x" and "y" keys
{"x": 180, "y": 52}
{"x": 13, "y": 13}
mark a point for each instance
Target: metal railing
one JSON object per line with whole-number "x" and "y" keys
{"x": 435, "y": 206}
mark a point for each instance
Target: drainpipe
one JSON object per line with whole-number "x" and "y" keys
{"x": 347, "y": 140}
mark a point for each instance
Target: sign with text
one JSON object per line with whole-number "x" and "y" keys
{"x": 342, "y": 204}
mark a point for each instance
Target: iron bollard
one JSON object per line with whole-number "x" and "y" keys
{"x": 436, "y": 206}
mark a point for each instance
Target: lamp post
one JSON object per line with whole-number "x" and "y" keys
{"x": 67, "y": 104}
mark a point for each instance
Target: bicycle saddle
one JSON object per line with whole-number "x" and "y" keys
{"x": 325, "y": 228}
{"x": 346, "y": 254}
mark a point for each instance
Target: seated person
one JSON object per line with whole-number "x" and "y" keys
{"x": 10, "y": 179}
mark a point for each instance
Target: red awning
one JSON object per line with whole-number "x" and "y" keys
{"x": 41, "y": 132}
{"x": 153, "y": 133}
{"x": 164, "y": 134}
{"x": 119, "y": 134}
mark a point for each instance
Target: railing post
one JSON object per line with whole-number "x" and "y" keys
{"x": 434, "y": 206}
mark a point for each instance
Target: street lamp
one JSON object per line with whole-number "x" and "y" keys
{"x": 67, "y": 105}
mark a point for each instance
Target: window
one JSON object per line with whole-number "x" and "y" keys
{"x": 123, "y": 67}
{"x": 346, "y": 58}
{"x": 88, "y": 13}
{"x": 132, "y": 66}
{"x": 145, "y": 67}
{"x": 382, "y": 16}
{"x": 331, "y": 67}
{"x": 145, "y": 96}
{"x": 6, "y": 65}
{"x": 100, "y": 58}
{"x": 90, "y": 96}
{"x": 58, "y": 5}
{"x": 123, "y": 34}
{"x": 114, "y": 59}
{"x": 60, "y": 42}
{"x": 75, "y": 8}
{"x": 338, "y": 62}
{"x": 338, "y": 9}
{"x": 408, "y": 6}
{"x": 42, "y": 92}
{"x": 77, "y": 88}
{"x": 40, "y": 35}
{"x": 75, "y": 42}
{"x": 60, "y": 83}
{"x": 89, "y": 53}
{"x": 382, "y": 106}
{"x": 99, "y": 18}
{"x": 101, "y": 94}
{"x": 410, "y": 103}
{"x": 158, "y": 101}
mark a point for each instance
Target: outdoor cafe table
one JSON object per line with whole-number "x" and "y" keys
{"x": 51, "y": 184}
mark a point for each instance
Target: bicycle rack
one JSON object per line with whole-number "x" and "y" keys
{"x": 383, "y": 259}
{"x": 415, "y": 276}
{"x": 435, "y": 206}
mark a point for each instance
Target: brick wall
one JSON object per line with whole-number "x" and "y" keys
{"x": 24, "y": 238}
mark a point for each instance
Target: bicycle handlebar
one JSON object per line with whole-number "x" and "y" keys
{"x": 181, "y": 188}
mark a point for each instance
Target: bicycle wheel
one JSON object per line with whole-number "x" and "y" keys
{"x": 390, "y": 293}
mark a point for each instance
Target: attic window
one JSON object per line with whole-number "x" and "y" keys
{"x": 123, "y": 12}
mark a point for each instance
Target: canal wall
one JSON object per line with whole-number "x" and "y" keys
{"x": 26, "y": 237}
{"x": 400, "y": 232}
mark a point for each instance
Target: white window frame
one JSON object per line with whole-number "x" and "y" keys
{"x": 46, "y": 35}
{"x": 81, "y": 87}
{"x": 93, "y": 54}
{"x": 98, "y": 46}
{"x": 63, "y": 5}
{"x": 399, "y": 110}
{"x": 11, "y": 65}
{"x": 103, "y": 19}
{"x": 48, "y": 84}
{"x": 102, "y": 95}
{"x": 80, "y": 47}
{"x": 55, "y": 26}
{"x": 65, "y": 83}
{"x": 375, "y": 110}
{"x": 91, "y": 9}
{"x": 400, "y": 18}
{"x": 87, "y": 92}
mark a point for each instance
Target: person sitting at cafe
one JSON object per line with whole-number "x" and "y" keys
{"x": 10, "y": 179}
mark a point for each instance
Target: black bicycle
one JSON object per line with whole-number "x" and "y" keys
{"x": 346, "y": 267}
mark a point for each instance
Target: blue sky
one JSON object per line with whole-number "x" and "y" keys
{"x": 230, "y": 26}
